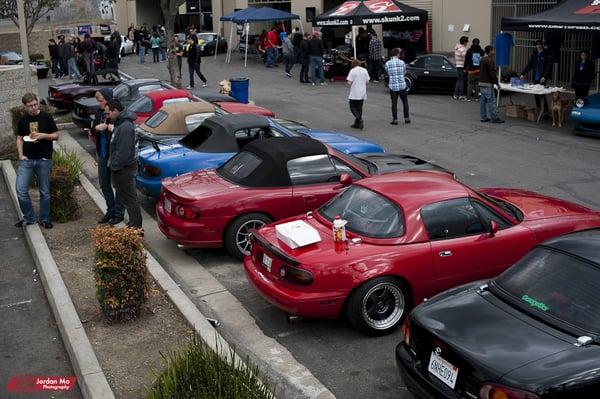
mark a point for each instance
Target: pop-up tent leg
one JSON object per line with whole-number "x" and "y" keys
{"x": 230, "y": 43}
{"x": 354, "y": 40}
{"x": 247, "y": 30}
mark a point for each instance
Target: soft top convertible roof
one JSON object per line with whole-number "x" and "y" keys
{"x": 275, "y": 154}
{"x": 217, "y": 133}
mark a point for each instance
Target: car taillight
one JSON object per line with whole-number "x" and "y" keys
{"x": 151, "y": 171}
{"x": 406, "y": 332}
{"x": 56, "y": 93}
{"x": 295, "y": 275}
{"x": 496, "y": 391}
{"x": 186, "y": 212}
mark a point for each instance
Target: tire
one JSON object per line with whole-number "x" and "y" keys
{"x": 385, "y": 292}
{"x": 410, "y": 84}
{"x": 236, "y": 237}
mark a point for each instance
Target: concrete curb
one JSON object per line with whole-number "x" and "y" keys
{"x": 90, "y": 377}
{"x": 291, "y": 379}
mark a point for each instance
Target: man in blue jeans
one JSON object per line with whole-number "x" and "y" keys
{"x": 316, "y": 50}
{"x": 488, "y": 80}
{"x": 36, "y": 131}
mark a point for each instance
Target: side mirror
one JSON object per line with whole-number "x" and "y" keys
{"x": 493, "y": 228}
{"x": 345, "y": 180}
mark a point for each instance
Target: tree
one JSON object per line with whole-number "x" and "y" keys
{"x": 34, "y": 11}
{"x": 169, "y": 9}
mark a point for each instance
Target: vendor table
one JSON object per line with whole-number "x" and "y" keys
{"x": 529, "y": 89}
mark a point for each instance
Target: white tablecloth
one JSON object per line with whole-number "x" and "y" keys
{"x": 530, "y": 89}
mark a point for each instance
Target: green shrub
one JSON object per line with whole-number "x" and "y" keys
{"x": 66, "y": 167}
{"x": 200, "y": 373}
{"x": 19, "y": 111}
{"x": 36, "y": 57}
{"x": 120, "y": 272}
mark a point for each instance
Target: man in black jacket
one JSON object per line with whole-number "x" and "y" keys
{"x": 101, "y": 135}
{"x": 541, "y": 64}
{"x": 316, "y": 50}
{"x": 304, "y": 58}
{"x": 122, "y": 160}
{"x": 194, "y": 60}
{"x": 472, "y": 65}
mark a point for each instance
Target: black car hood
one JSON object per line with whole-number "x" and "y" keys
{"x": 88, "y": 102}
{"x": 489, "y": 334}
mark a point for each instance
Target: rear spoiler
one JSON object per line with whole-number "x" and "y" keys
{"x": 274, "y": 250}
{"x": 155, "y": 143}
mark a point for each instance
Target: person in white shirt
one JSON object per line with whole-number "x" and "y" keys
{"x": 357, "y": 79}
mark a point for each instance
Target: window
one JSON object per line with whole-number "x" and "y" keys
{"x": 146, "y": 89}
{"x": 313, "y": 169}
{"x": 446, "y": 64}
{"x": 240, "y": 166}
{"x": 156, "y": 119}
{"x": 142, "y": 104}
{"x": 343, "y": 168}
{"x": 246, "y": 136}
{"x": 418, "y": 63}
{"x": 555, "y": 286}
{"x": 195, "y": 120}
{"x": 433, "y": 63}
{"x": 449, "y": 219}
{"x": 488, "y": 215}
{"x": 176, "y": 100}
{"x": 121, "y": 91}
{"x": 368, "y": 213}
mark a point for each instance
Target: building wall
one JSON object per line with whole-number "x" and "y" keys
{"x": 13, "y": 84}
{"x": 148, "y": 11}
{"x": 478, "y": 14}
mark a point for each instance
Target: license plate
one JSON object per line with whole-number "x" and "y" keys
{"x": 443, "y": 370}
{"x": 267, "y": 261}
{"x": 167, "y": 205}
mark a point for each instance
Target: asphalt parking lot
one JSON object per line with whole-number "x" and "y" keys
{"x": 516, "y": 154}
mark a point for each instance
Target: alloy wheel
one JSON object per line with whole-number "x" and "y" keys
{"x": 383, "y": 305}
{"x": 242, "y": 236}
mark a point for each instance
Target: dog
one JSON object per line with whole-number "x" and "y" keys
{"x": 225, "y": 87}
{"x": 558, "y": 108}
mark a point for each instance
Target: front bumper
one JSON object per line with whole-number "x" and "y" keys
{"x": 83, "y": 122}
{"x": 586, "y": 121}
{"x": 321, "y": 305}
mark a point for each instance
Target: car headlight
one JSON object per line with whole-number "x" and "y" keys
{"x": 579, "y": 103}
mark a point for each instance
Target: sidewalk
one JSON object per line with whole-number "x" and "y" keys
{"x": 30, "y": 342}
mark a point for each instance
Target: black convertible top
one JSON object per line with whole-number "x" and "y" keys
{"x": 275, "y": 153}
{"x": 585, "y": 244}
{"x": 217, "y": 133}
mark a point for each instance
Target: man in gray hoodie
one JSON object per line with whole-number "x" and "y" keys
{"x": 122, "y": 161}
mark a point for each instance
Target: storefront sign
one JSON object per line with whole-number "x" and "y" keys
{"x": 104, "y": 29}
{"x": 83, "y": 29}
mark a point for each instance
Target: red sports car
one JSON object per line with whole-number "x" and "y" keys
{"x": 145, "y": 106}
{"x": 240, "y": 108}
{"x": 410, "y": 236}
{"x": 269, "y": 179}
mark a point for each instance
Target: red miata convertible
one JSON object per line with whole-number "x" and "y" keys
{"x": 411, "y": 235}
{"x": 269, "y": 179}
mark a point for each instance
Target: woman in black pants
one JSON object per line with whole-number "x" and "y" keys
{"x": 583, "y": 76}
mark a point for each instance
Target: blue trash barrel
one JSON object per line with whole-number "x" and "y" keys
{"x": 239, "y": 89}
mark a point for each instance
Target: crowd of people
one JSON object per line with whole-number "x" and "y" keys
{"x": 73, "y": 58}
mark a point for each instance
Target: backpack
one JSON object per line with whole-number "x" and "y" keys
{"x": 476, "y": 59}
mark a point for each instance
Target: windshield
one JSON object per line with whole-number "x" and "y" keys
{"x": 206, "y": 38}
{"x": 505, "y": 206}
{"x": 556, "y": 287}
{"x": 368, "y": 213}
{"x": 354, "y": 161}
{"x": 121, "y": 91}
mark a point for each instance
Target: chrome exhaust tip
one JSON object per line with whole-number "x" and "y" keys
{"x": 292, "y": 318}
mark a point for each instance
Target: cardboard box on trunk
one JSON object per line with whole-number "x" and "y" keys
{"x": 297, "y": 234}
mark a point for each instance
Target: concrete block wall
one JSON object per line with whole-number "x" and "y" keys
{"x": 12, "y": 83}
{"x": 38, "y": 42}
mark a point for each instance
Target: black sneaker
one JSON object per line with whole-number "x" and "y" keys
{"x": 485, "y": 120}
{"x": 394, "y": 122}
{"x": 115, "y": 220}
{"x": 497, "y": 120}
{"x": 105, "y": 219}
{"x": 407, "y": 121}
{"x": 22, "y": 223}
{"x": 46, "y": 225}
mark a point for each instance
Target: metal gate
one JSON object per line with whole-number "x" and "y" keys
{"x": 571, "y": 45}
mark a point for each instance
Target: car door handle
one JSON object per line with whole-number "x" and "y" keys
{"x": 445, "y": 254}
{"x": 310, "y": 198}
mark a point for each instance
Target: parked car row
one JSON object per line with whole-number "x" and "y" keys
{"x": 494, "y": 287}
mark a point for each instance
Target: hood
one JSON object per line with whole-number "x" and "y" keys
{"x": 342, "y": 142}
{"x": 125, "y": 116}
{"x": 195, "y": 185}
{"x": 537, "y": 206}
{"x": 593, "y": 100}
{"x": 485, "y": 331}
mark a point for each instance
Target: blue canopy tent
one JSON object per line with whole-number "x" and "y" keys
{"x": 249, "y": 15}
